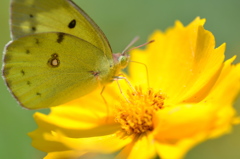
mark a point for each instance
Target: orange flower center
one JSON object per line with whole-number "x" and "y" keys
{"x": 135, "y": 115}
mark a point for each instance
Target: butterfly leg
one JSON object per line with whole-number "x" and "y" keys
{"x": 146, "y": 68}
{"x": 105, "y": 101}
{"x": 121, "y": 76}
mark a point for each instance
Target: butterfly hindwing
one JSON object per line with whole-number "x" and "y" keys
{"x": 48, "y": 69}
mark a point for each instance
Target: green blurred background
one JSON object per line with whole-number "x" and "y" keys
{"x": 121, "y": 21}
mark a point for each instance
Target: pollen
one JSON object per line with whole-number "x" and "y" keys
{"x": 136, "y": 114}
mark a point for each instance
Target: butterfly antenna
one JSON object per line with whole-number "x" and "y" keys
{"x": 130, "y": 44}
{"x": 151, "y": 41}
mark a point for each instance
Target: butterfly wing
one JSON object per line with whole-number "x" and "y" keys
{"x": 36, "y": 16}
{"x": 48, "y": 69}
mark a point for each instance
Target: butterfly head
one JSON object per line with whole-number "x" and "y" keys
{"x": 124, "y": 60}
{"x": 121, "y": 59}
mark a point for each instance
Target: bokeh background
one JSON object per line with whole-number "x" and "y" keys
{"x": 121, "y": 21}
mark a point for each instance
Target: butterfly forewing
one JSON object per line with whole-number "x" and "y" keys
{"x": 36, "y": 16}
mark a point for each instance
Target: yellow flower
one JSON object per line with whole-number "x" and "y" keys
{"x": 188, "y": 100}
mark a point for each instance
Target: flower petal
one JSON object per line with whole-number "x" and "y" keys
{"x": 54, "y": 141}
{"x": 71, "y": 154}
{"x": 142, "y": 147}
{"x": 181, "y": 127}
{"x": 227, "y": 86}
{"x": 184, "y": 61}
{"x": 210, "y": 118}
{"x": 175, "y": 151}
{"x": 102, "y": 144}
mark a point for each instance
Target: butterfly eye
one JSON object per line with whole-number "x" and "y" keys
{"x": 72, "y": 24}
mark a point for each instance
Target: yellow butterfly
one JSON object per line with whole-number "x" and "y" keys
{"x": 57, "y": 53}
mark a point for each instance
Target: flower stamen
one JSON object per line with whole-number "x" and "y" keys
{"x": 136, "y": 116}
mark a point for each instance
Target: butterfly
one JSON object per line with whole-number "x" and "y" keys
{"x": 57, "y": 54}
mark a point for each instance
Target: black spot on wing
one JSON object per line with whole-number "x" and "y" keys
{"x": 6, "y": 71}
{"x": 38, "y": 94}
{"x": 37, "y": 41}
{"x": 34, "y": 29}
{"x": 72, "y": 24}
{"x": 60, "y": 37}
{"x": 31, "y": 16}
{"x": 27, "y": 51}
{"x": 22, "y": 72}
{"x": 29, "y": 83}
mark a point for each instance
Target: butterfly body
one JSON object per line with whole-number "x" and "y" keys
{"x": 57, "y": 54}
